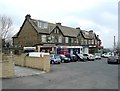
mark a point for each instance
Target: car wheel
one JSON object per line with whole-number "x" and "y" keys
{"x": 117, "y": 61}
{"x": 108, "y": 62}
{"x": 52, "y": 62}
{"x": 88, "y": 59}
{"x": 62, "y": 61}
{"x": 59, "y": 62}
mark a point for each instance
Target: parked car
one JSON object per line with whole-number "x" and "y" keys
{"x": 113, "y": 59}
{"x": 36, "y": 54}
{"x": 80, "y": 57}
{"x": 55, "y": 59}
{"x": 97, "y": 56}
{"x": 72, "y": 57}
{"x": 106, "y": 55}
{"x": 89, "y": 57}
{"x": 64, "y": 58}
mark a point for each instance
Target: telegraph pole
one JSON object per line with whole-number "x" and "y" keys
{"x": 114, "y": 44}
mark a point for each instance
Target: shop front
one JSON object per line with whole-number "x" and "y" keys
{"x": 47, "y": 48}
{"x": 93, "y": 49}
{"x": 85, "y": 49}
{"x": 69, "y": 49}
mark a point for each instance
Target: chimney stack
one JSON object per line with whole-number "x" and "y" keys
{"x": 97, "y": 36}
{"x": 91, "y": 31}
{"x": 28, "y": 16}
{"x": 78, "y": 28}
{"x": 58, "y": 23}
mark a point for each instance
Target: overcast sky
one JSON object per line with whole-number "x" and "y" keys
{"x": 101, "y": 16}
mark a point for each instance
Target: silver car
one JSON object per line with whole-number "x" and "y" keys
{"x": 97, "y": 56}
{"x": 89, "y": 57}
{"x": 55, "y": 59}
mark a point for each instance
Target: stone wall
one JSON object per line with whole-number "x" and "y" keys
{"x": 7, "y": 67}
{"x": 19, "y": 59}
{"x": 41, "y": 63}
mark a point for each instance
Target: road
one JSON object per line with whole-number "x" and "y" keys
{"x": 75, "y": 75}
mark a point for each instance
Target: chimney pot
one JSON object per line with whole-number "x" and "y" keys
{"x": 91, "y": 31}
{"x": 78, "y": 28}
{"x": 98, "y": 36}
{"x": 28, "y": 16}
{"x": 58, "y": 23}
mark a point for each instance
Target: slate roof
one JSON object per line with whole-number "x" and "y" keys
{"x": 67, "y": 31}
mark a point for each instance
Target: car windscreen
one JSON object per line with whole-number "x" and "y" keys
{"x": 51, "y": 56}
{"x": 85, "y": 54}
{"x": 79, "y": 54}
{"x": 91, "y": 55}
{"x": 63, "y": 56}
{"x": 113, "y": 57}
{"x": 97, "y": 54}
{"x": 57, "y": 56}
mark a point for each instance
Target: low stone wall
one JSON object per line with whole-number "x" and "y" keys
{"x": 46, "y": 63}
{"x": 19, "y": 59}
{"x": 42, "y": 63}
{"x": 7, "y": 67}
{"x": 34, "y": 62}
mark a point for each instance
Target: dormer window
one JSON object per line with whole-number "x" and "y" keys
{"x": 42, "y": 24}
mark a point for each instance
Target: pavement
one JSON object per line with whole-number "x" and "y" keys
{"x": 25, "y": 71}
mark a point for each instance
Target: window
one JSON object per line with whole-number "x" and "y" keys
{"x": 71, "y": 40}
{"x": 60, "y": 39}
{"x": 43, "y": 38}
{"x": 77, "y": 41}
{"x": 95, "y": 42}
{"x": 66, "y": 39}
{"x": 92, "y": 41}
{"x": 85, "y": 42}
{"x": 42, "y": 25}
{"x": 89, "y": 42}
{"x": 99, "y": 42}
{"x": 52, "y": 38}
{"x": 82, "y": 42}
{"x": 56, "y": 30}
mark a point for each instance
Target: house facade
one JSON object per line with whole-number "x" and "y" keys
{"x": 56, "y": 38}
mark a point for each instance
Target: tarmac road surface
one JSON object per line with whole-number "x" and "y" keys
{"x": 75, "y": 75}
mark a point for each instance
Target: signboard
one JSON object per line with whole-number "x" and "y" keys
{"x": 71, "y": 47}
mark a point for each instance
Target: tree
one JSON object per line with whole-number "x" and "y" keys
{"x": 5, "y": 26}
